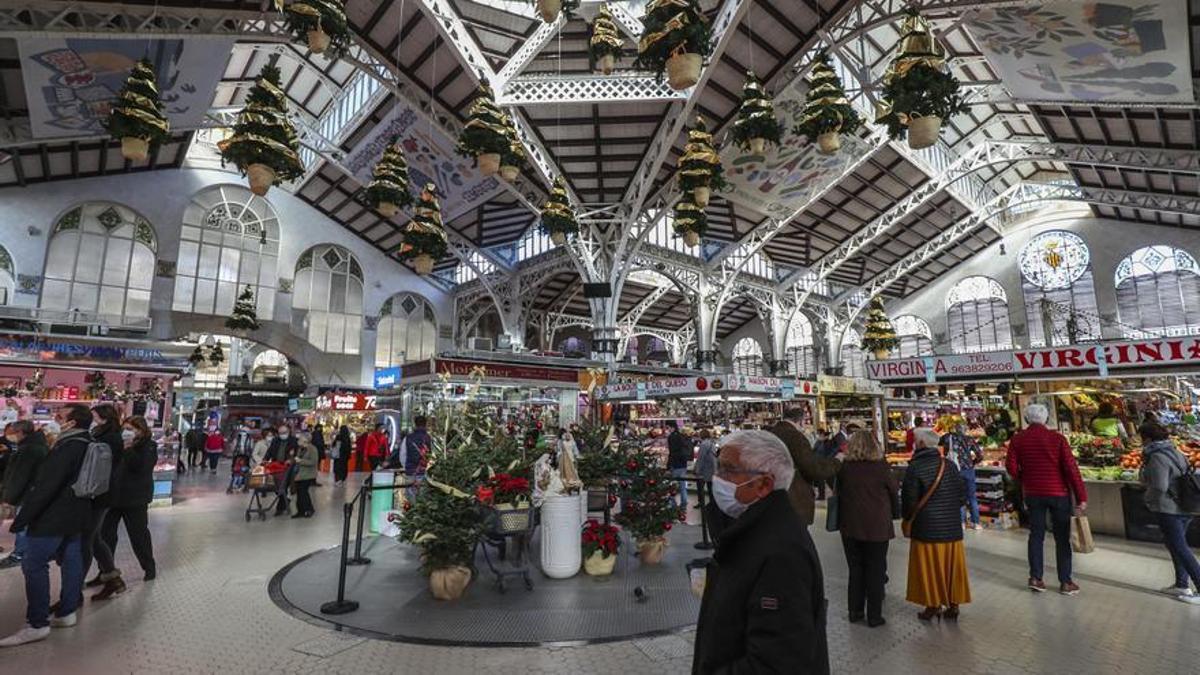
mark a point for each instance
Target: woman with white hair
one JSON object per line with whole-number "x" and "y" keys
{"x": 866, "y": 492}
{"x": 931, "y": 497}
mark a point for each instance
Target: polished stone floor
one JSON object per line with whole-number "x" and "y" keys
{"x": 209, "y": 612}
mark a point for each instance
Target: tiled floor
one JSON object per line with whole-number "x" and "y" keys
{"x": 208, "y": 612}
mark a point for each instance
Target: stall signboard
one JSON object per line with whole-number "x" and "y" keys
{"x": 837, "y": 384}
{"x": 506, "y": 371}
{"x": 67, "y": 351}
{"x": 704, "y": 385}
{"x": 346, "y": 402}
{"x": 387, "y": 378}
{"x": 1102, "y": 359}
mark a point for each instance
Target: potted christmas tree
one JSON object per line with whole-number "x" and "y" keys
{"x": 321, "y": 24}
{"x": 197, "y": 357}
{"x": 700, "y": 169}
{"x": 827, "y": 113}
{"x": 690, "y": 221}
{"x": 216, "y": 355}
{"x": 756, "y": 124}
{"x": 919, "y": 91}
{"x": 879, "y": 338}
{"x": 137, "y": 115}
{"x": 648, "y": 504}
{"x": 444, "y": 525}
{"x": 558, "y": 218}
{"x": 604, "y": 46}
{"x": 388, "y": 191}
{"x": 485, "y": 135}
{"x": 676, "y": 38}
{"x": 264, "y": 145}
{"x": 244, "y": 319}
{"x": 512, "y": 160}
{"x": 424, "y": 238}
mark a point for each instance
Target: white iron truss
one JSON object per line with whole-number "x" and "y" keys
{"x": 552, "y": 89}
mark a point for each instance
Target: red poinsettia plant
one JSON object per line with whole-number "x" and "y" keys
{"x": 508, "y": 489}
{"x": 600, "y": 537}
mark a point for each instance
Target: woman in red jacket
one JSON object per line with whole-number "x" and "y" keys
{"x": 214, "y": 446}
{"x": 376, "y": 446}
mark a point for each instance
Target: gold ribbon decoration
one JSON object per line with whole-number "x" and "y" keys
{"x": 604, "y": 29}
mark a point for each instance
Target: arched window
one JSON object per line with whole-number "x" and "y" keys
{"x": 1060, "y": 294}
{"x": 799, "y": 347}
{"x": 8, "y": 277}
{"x": 748, "y": 357}
{"x": 269, "y": 367}
{"x": 977, "y": 316}
{"x": 329, "y": 284}
{"x": 854, "y": 361}
{"x": 915, "y": 337}
{"x": 1158, "y": 293}
{"x": 100, "y": 261}
{"x": 407, "y": 331}
{"x": 229, "y": 240}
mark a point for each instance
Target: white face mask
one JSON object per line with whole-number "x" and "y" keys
{"x": 127, "y": 435}
{"x": 725, "y": 492}
{"x": 283, "y": 433}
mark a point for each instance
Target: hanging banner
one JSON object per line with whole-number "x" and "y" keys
{"x": 665, "y": 387}
{"x": 71, "y": 82}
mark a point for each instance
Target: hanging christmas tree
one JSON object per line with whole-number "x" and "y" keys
{"x": 319, "y": 23}
{"x": 264, "y": 145}
{"x": 485, "y": 135}
{"x": 879, "y": 337}
{"x": 700, "y": 170}
{"x": 512, "y": 160}
{"x": 216, "y": 355}
{"x": 690, "y": 221}
{"x": 558, "y": 218}
{"x": 424, "y": 238}
{"x": 648, "y": 502}
{"x": 197, "y": 358}
{"x": 919, "y": 91}
{"x": 388, "y": 191}
{"x": 756, "y": 124}
{"x": 244, "y": 318}
{"x": 604, "y": 46}
{"x": 827, "y": 112}
{"x": 137, "y": 115}
{"x": 676, "y": 38}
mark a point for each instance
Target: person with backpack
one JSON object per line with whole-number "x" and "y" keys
{"x": 30, "y": 450}
{"x": 53, "y": 517}
{"x": 106, "y": 429}
{"x": 1164, "y": 465}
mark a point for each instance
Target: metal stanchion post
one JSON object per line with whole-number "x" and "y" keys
{"x": 704, "y": 544}
{"x": 342, "y": 605}
{"x": 358, "y": 558}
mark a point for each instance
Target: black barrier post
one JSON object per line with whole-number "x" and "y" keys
{"x": 704, "y": 544}
{"x": 342, "y": 605}
{"x": 358, "y": 558}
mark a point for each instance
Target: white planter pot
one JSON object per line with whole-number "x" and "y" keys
{"x": 135, "y": 149}
{"x": 558, "y": 238}
{"x": 561, "y": 552}
{"x": 262, "y": 177}
{"x": 829, "y": 143}
{"x": 701, "y": 195}
{"x": 387, "y": 209}
{"x": 489, "y": 163}
{"x": 923, "y": 132}
{"x": 691, "y": 238}
{"x": 549, "y": 9}
{"x": 606, "y": 63}
{"x": 758, "y": 146}
{"x": 318, "y": 40}
{"x": 423, "y": 264}
{"x": 509, "y": 172}
{"x": 683, "y": 70}
{"x": 583, "y": 510}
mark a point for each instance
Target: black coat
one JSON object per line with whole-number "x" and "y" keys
{"x": 51, "y": 509}
{"x": 111, "y": 437}
{"x": 23, "y": 463}
{"x": 679, "y": 450}
{"x": 941, "y": 519}
{"x": 764, "y": 601}
{"x": 135, "y": 475}
{"x": 281, "y": 449}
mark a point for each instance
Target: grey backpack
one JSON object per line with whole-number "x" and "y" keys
{"x": 95, "y": 472}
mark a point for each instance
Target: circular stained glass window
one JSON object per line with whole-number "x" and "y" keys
{"x": 1054, "y": 260}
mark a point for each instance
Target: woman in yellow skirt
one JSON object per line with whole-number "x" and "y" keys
{"x": 931, "y": 498}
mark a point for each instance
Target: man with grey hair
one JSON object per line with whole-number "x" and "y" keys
{"x": 1040, "y": 459}
{"x": 764, "y": 599}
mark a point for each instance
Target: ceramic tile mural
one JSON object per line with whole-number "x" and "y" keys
{"x": 1090, "y": 51}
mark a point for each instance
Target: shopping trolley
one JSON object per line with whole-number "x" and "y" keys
{"x": 265, "y": 482}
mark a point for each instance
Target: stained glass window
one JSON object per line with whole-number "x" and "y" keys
{"x": 1060, "y": 295}
{"x": 748, "y": 357}
{"x": 1054, "y": 259}
{"x": 1158, "y": 293}
{"x": 977, "y": 316}
{"x": 407, "y": 331}
{"x": 329, "y": 284}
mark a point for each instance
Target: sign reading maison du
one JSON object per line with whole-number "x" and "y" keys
{"x": 1160, "y": 353}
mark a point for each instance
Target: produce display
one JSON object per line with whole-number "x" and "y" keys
{"x": 1095, "y": 450}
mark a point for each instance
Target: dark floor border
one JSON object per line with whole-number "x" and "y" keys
{"x": 275, "y": 592}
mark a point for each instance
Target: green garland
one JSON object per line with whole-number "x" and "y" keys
{"x": 486, "y": 131}
{"x": 670, "y": 27}
{"x": 263, "y": 134}
{"x": 244, "y": 317}
{"x": 879, "y": 333}
{"x": 328, "y": 15}
{"x": 700, "y": 165}
{"x": 826, "y": 108}
{"x": 605, "y": 39}
{"x": 918, "y": 83}
{"x": 557, "y": 214}
{"x": 689, "y": 217}
{"x": 756, "y": 116}
{"x": 424, "y": 235}
{"x": 138, "y": 110}
{"x": 390, "y": 178}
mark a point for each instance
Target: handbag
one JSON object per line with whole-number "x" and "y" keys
{"x": 832, "y": 517}
{"x": 1187, "y": 491}
{"x": 906, "y": 524}
{"x": 1081, "y": 535}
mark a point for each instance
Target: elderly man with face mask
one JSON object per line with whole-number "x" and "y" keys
{"x": 764, "y": 598}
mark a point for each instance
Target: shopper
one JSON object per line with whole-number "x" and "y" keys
{"x": 1106, "y": 424}
{"x": 706, "y": 461}
{"x": 318, "y": 441}
{"x": 340, "y": 451}
{"x": 810, "y": 469}
{"x": 1163, "y": 466}
{"x": 931, "y": 498}
{"x": 259, "y": 454}
{"x": 23, "y": 463}
{"x": 679, "y": 453}
{"x": 283, "y": 445}
{"x": 419, "y": 443}
{"x": 1040, "y": 460}
{"x": 136, "y": 479}
{"x": 764, "y": 598}
{"x": 823, "y": 447}
{"x": 866, "y": 491}
{"x": 305, "y": 462}
{"x": 214, "y": 447}
{"x": 193, "y": 440}
{"x": 910, "y": 435}
{"x": 376, "y": 448}
{"x": 54, "y": 519}
{"x": 106, "y": 429}
{"x": 965, "y": 453}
